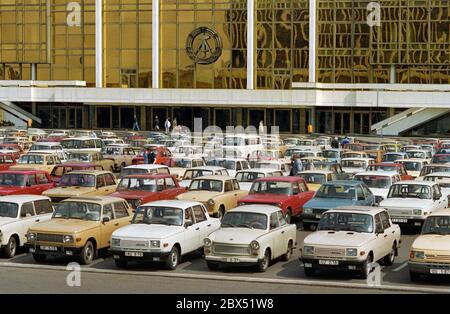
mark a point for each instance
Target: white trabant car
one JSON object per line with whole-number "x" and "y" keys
{"x": 188, "y": 150}
{"x": 379, "y": 182}
{"x": 410, "y": 202}
{"x": 178, "y": 165}
{"x": 420, "y": 154}
{"x": 246, "y": 177}
{"x": 280, "y": 165}
{"x": 233, "y": 165}
{"x": 17, "y": 214}
{"x": 355, "y": 165}
{"x": 430, "y": 252}
{"x": 351, "y": 238}
{"x": 413, "y": 165}
{"x": 162, "y": 231}
{"x": 443, "y": 179}
{"x": 196, "y": 172}
{"x": 241, "y": 145}
{"x": 250, "y": 235}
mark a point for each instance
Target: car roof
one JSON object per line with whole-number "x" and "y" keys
{"x": 95, "y": 199}
{"x": 173, "y": 203}
{"x": 258, "y": 208}
{"x": 149, "y": 176}
{"x": 281, "y": 179}
{"x": 78, "y": 164}
{"x": 359, "y": 209}
{"x": 387, "y": 164}
{"x": 24, "y": 171}
{"x": 356, "y": 158}
{"x": 94, "y": 172}
{"x": 412, "y": 160}
{"x": 20, "y": 199}
{"x": 429, "y": 183}
{"x": 347, "y": 182}
{"x": 440, "y": 212}
{"x": 48, "y": 143}
{"x": 262, "y": 170}
{"x": 146, "y": 166}
{"x": 320, "y": 171}
{"x": 378, "y": 173}
{"x": 215, "y": 178}
{"x": 213, "y": 168}
{"x": 438, "y": 174}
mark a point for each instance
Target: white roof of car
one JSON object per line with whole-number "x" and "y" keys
{"x": 20, "y": 199}
{"x": 439, "y": 174}
{"x": 357, "y": 159}
{"x": 47, "y": 143}
{"x": 421, "y": 160}
{"x": 173, "y": 203}
{"x": 210, "y": 168}
{"x": 420, "y": 182}
{"x": 260, "y": 170}
{"x": 378, "y": 173}
{"x": 441, "y": 212}
{"x": 371, "y": 210}
{"x": 146, "y": 166}
{"x": 256, "y": 208}
{"x": 318, "y": 171}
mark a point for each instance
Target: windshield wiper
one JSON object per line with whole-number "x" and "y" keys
{"x": 227, "y": 225}
{"x": 244, "y": 225}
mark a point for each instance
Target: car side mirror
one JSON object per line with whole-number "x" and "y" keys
{"x": 188, "y": 223}
{"x": 105, "y": 219}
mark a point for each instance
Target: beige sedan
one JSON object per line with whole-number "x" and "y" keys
{"x": 37, "y": 161}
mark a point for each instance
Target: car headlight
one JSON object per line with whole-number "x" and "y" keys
{"x": 351, "y": 252}
{"x": 417, "y": 212}
{"x": 68, "y": 239}
{"x": 155, "y": 243}
{"x": 308, "y": 211}
{"x": 254, "y": 245}
{"x": 207, "y": 242}
{"x": 31, "y": 236}
{"x": 115, "y": 242}
{"x": 211, "y": 202}
{"x": 417, "y": 254}
{"x": 308, "y": 250}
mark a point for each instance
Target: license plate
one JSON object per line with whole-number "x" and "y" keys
{"x": 134, "y": 254}
{"x": 440, "y": 271}
{"x": 232, "y": 260}
{"x": 49, "y": 248}
{"x": 327, "y": 262}
{"x": 402, "y": 220}
{"x": 318, "y": 216}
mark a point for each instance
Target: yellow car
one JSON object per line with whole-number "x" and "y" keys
{"x": 79, "y": 227}
{"x": 83, "y": 183}
{"x": 315, "y": 178}
{"x": 92, "y": 157}
{"x": 217, "y": 193}
{"x": 37, "y": 161}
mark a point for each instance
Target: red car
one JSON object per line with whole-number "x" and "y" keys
{"x": 400, "y": 168}
{"x": 13, "y": 182}
{"x": 64, "y": 168}
{"x": 163, "y": 156}
{"x": 139, "y": 189}
{"x": 7, "y": 160}
{"x": 288, "y": 193}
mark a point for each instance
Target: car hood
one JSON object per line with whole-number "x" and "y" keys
{"x": 68, "y": 191}
{"x": 338, "y": 238}
{"x": 352, "y": 170}
{"x": 61, "y": 225}
{"x": 236, "y": 235}
{"x": 132, "y": 194}
{"x": 406, "y": 203}
{"x": 5, "y": 190}
{"x": 246, "y": 186}
{"x": 147, "y": 231}
{"x": 380, "y": 192}
{"x": 264, "y": 198}
{"x": 432, "y": 242}
{"x": 199, "y": 196}
{"x": 6, "y": 220}
{"x": 328, "y": 203}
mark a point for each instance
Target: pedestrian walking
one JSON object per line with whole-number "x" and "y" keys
{"x": 156, "y": 124}
{"x": 145, "y": 155}
{"x": 152, "y": 157}
{"x": 136, "y": 124}
{"x": 334, "y": 143}
{"x": 167, "y": 125}
{"x": 297, "y": 165}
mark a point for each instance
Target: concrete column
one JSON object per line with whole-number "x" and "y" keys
{"x": 313, "y": 119}
{"x": 250, "y": 44}
{"x": 392, "y": 74}
{"x": 98, "y": 43}
{"x": 312, "y": 41}
{"x": 155, "y": 44}
{"x": 302, "y": 120}
{"x": 33, "y": 69}
{"x": 143, "y": 122}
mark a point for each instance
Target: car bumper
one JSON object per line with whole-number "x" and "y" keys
{"x": 60, "y": 250}
{"x": 429, "y": 268}
{"x": 241, "y": 260}
{"x": 145, "y": 257}
{"x": 355, "y": 265}
{"x": 407, "y": 222}
{"x": 311, "y": 218}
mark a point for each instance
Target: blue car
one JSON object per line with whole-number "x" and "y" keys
{"x": 334, "y": 194}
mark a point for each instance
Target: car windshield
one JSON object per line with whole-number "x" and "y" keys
{"x": 9, "y": 210}
{"x": 12, "y": 179}
{"x": 291, "y": 152}
{"x": 410, "y": 190}
{"x": 249, "y": 176}
{"x": 412, "y": 165}
{"x": 80, "y": 157}
{"x": 44, "y": 147}
{"x": 374, "y": 181}
{"x": 314, "y": 178}
{"x": 234, "y": 141}
{"x": 437, "y": 225}
{"x": 72, "y": 144}
{"x": 271, "y": 187}
{"x": 337, "y": 221}
{"x": 78, "y": 210}
{"x": 330, "y": 154}
{"x": 113, "y": 151}
{"x": 441, "y": 159}
{"x": 158, "y": 215}
{"x": 336, "y": 191}
{"x": 353, "y": 164}
{"x": 371, "y": 147}
{"x": 291, "y": 141}
{"x": 392, "y": 157}
{"x": 82, "y": 180}
{"x": 416, "y": 155}
{"x": 31, "y": 159}
{"x": 206, "y": 185}
{"x": 182, "y": 163}
{"x": 353, "y": 155}
{"x": 382, "y": 168}
{"x": 130, "y": 171}
{"x": 139, "y": 184}
{"x": 443, "y": 181}
{"x": 192, "y": 174}
{"x": 245, "y": 220}
{"x": 431, "y": 169}
{"x": 268, "y": 165}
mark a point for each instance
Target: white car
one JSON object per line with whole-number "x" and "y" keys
{"x": 241, "y": 145}
{"x": 162, "y": 231}
{"x": 250, "y": 235}
{"x": 413, "y": 165}
{"x": 188, "y": 151}
{"x": 420, "y": 154}
{"x": 379, "y": 182}
{"x": 350, "y": 238}
{"x": 233, "y": 165}
{"x": 179, "y": 165}
{"x": 410, "y": 202}
{"x": 144, "y": 169}
{"x": 195, "y": 172}
{"x": 355, "y": 165}
{"x": 17, "y": 214}
{"x": 280, "y": 165}
{"x": 246, "y": 177}
{"x": 443, "y": 179}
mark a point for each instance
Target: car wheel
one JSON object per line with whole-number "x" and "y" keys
{"x": 285, "y": 257}
{"x": 390, "y": 258}
{"x": 11, "y": 247}
{"x": 288, "y": 216}
{"x": 414, "y": 277}
{"x": 173, "y": 259}
{"x": 120, "y": 263}
{"x": 87, "y": 254}
{"x": 310, "y": 272}
{"x": 212, "y": 266}
{"x": 221, "y": 212}
{"x": 39, "y": 257}
{"x": 264, "y": 263}
{"x": 367, "y": 268}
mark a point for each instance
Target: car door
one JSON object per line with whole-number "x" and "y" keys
{"x": 389, "y": 232}
{"x": 295, "y": 200}
{"x": 275, "y": 235}
{"x": 284, "y": 233}
{"x": 110, "y": 183}
{"x": 439, "y": 200}
{"x": 191, "y": 233}
{"x": 121, "y": 214}
{"x": 32, "y": 187}
{"x": 100, "y": 185}
{"x": 27, "y": 219}
{"x": 381, "y": 241}
{"x": 171, "y": 189}
{"x": 369, "y": 197}
{"x": 107, "y": 227}
{"x": 42, "y": 183}
{"x": 202, "y": 222}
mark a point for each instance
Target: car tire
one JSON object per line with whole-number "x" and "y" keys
{"x": 366, "y": 270}
{"x": 288, "y": 216}
{"x": 264, "y": 264}
{"x": 414, "y": 277}
{"x": 309, "y": 272}
{"x": 173, "y": 259}
{"x": 87, "y": 254}
{"x": 390, "y": 258}
{"x": 39, "y": 257}
{"x": 11, "y": 248}
{"x": 221, "y": 212}
{"x": 285, "y": 257}
{"x": 120, "y": 263}
{"x": 212, "y": 265}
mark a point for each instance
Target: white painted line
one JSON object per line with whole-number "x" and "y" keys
{"x": 95, "y": 262}
{"x": 399, "y": 268}
{"x": 300, "y": 282}
{"x": 17, "y": 256}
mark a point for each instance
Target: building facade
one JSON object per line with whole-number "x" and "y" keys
{"x": 344, "y": 66}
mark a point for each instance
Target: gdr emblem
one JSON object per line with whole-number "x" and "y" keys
{"x": 203, "y": 46}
